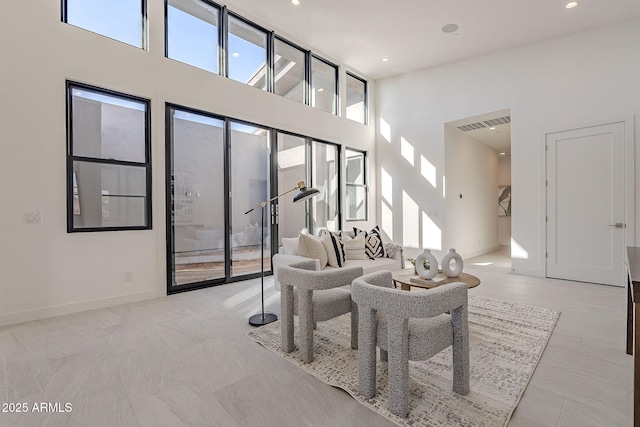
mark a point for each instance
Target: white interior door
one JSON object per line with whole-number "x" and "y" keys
{"x": 586, "y": 204}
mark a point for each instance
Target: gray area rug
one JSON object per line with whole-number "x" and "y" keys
{"x": 506, "y": 342}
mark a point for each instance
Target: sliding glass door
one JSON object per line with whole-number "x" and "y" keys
{"x": 219, "y": 172}
{"x": 325, "y": 177}
{"x": 292, "y": 168}
{"x": 250, "y": 186}
{"x": 197, "y": 209}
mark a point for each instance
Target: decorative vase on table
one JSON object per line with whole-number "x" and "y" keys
{"x": 433, "y": 265}
{"x": 454, "y": 271}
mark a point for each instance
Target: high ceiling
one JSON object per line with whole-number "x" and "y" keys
{"x": 359, "y": 33}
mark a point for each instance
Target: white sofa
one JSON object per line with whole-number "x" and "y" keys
{"x": 396, "y": 262}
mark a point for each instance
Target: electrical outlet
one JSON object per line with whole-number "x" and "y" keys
{"x": 128, "y": 276}
{"x": 33, "y": 217}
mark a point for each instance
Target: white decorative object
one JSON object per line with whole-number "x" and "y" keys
{"x": 452, "y": 255}
{"x": 433, "y": 265}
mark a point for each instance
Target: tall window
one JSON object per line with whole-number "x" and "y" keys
{"x": 324, "y": 85}
{"x": 247, "y": 53}
{"x": 193, "y": 33}
{"x": 356, "y": 99}
{"x": 289, "y": 70}
{"x": 108, "y": 160}
{"x": 356, "y": 197}
{"x": 122, "y": 20}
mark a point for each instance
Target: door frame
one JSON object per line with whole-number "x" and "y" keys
{"x": 629, "y": 173}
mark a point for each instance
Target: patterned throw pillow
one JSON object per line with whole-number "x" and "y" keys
{"x": 334, "y": 248}
{"x": 373, "y": 242}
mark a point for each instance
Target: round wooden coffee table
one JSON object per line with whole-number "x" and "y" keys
{"x": 403, "y": 278}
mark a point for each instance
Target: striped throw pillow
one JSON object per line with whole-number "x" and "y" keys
{"x": 334, "y": 248}
{"x": 354, "y": 248}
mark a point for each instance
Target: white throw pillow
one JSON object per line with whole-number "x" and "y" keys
{"x": 335, "y": 249}
{"x": 290, "y": 245}
{"x": 312, "y": 247}
{"x": 354, "y": 248}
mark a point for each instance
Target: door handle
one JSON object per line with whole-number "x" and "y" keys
{"x": 618, "y": 225}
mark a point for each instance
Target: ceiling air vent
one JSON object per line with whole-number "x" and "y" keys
{"x": 472, "y": 126}
{"x": 499, "y": 121}
{"x": 486, "y": 123}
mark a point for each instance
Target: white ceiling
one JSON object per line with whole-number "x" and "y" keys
{"x": 359, "y": 33}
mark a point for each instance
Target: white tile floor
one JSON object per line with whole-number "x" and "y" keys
{"x": 184, "y": 360}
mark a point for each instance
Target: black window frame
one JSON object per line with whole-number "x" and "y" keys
{"x": 365, "y": 95}
{"x": 365, "y": 186}
{"x": 144, "y": 43}
{"x": 222, "y": 11}
{"x": 268, "y": 48}
{"x": 336, "y": 104}
{"x": 307, "y": 68}
{"x": 70, "y": 85}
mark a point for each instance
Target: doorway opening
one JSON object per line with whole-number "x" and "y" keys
{"x": 478, "y": 180}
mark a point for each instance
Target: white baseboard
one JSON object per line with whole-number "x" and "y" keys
{"x": 478, "y": 253}
{"x": 526, "y": 272}
{"x": 76, "y": 307}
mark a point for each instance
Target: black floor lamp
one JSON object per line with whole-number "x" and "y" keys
{"x": 304, "y": 193}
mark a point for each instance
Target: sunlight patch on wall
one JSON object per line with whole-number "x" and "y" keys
{"x": 406, "y": 150}
{"x": 431, "y": 234}
{"x": 386, "y": 182}
{"x": 444, "y": 187}
{"x": 385, "y": 130}
{"x": 387, "y": 220}
{"x": 410, "y": 222}
{"x": 428, "y": 171}
{"x": 517, "y": 251}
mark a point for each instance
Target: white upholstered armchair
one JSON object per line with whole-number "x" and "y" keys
{"x": 408, "y": 326}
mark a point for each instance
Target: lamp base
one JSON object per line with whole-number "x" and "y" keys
{"x": 261, "y": 320}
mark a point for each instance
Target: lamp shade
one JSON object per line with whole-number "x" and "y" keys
{"x": 304, "y": 194}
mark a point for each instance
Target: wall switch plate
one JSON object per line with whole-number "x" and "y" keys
{"x": 128, "y": 276}
{"x": 33, "y": 217}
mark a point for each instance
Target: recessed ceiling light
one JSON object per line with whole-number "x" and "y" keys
{"x": 450, "y": 28}
{"x": 492, "y": 128}
{"x": 235, "y": 54}
{"x": 385, "y": 59}
{"x": 295, "y": 2}
{"x": 571, "y": 4}
{"x": 321, "y": 89}
{"x": 503, "y": 154}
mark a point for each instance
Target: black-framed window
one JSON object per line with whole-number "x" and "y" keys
{"x": 357, "y": 108}
{"x": 108, "y": 160}
{"x": 324, "y": 85}
{"x": 356, "y": 182}
{"x": 289, "y": 70}
{"x": 247, "y": 52}
{"x": 193, "y": 33}
{"x": 123, "y": 20}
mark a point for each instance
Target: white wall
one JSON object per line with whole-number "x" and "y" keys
{"x": 504, "y": 179}
{"x": 565, "y": 82}
{"x": 46, "y": 271}
{"x": 472, "y": 172}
